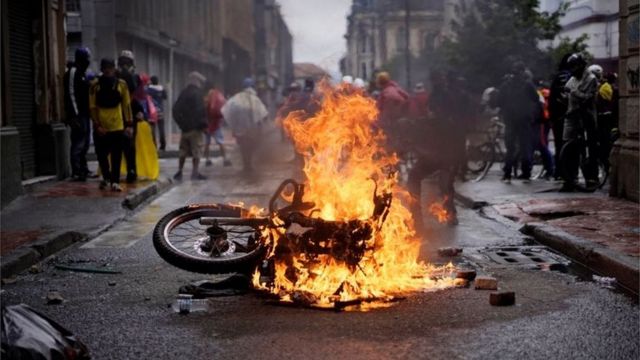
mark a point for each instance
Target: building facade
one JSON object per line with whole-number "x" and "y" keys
{"x": 598, "y": 20}
{"x": 274, "y": 55}
{"x": 376, "y": 34}
{"x": 625, "y": 175}
{"x": 33, "y": 139}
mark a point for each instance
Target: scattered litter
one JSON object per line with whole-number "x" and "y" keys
{"x": 27, "y": 334}
{"x": 9, "y": 280}
{"x": 54, "y": 298}
{"x": 486, "y": 283}
{"x": 112, "y": 283}
{"x": 236, "y": 284}
{"x": 460, "y": 283}
{"x": 466, "y": 274}
{"x": 449, "y": 251}
{"x": 88, "y": 269}
{"x": 502, "y": 298}
{"x": 608, "y": 282}
{"x": 34, "y": 269}
{"x": 186, "y": 304}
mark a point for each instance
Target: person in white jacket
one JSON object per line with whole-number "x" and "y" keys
{"x": 245, "y": 112}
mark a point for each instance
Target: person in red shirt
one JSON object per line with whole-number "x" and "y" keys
{"x": 419, "y": 103}
{"x": 214, "y": 102}
{"x": 393, "y": 101}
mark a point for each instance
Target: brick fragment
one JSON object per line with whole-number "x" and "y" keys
{"x": 466, "y": 274}
{"x": 502, "y": 298}
{"x": 449, "y": 251}
{"x": 460, "y": 283}
{"x": 486, "y": 283}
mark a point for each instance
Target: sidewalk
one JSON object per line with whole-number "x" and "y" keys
{"x": 53, "y": 215}
{"x": 598, "y": 231}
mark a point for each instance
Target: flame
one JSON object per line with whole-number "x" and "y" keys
{"x": 253, "y": 211}
{"x": 344, "y": 161}
{"x": 438, "y": 210}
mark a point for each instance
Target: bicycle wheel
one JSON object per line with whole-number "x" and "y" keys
{"x": 488, "y": 152}
{"x": 182, "y": 241}
{"x": 603, "y": 173}
{"x": 479, "y": 156}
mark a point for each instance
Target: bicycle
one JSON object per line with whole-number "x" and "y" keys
{"x": 482, "y": 157}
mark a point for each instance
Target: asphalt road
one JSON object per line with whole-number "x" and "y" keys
{"x": 126, "y": 316}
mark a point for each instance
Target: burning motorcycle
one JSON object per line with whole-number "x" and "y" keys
{"x": 217, "y": 238}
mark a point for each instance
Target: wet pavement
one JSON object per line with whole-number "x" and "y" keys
{"x": 126, "y": 316}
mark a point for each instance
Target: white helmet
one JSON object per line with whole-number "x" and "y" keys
{"x": 596, "y": 70}
{"x": 358, "y": 83}
{"x": 347, "y": 79}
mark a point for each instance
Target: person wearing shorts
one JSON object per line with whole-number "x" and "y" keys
{"x": 189, "y": 114}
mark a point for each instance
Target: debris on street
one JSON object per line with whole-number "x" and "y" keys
{"x": 486, "y": 283}
{"x": 502, "y": 298}
{"x": 88, "y": 269}
{"x": 54, "y": 298}
{"x": 449, "y": 251}
{"x": 460, "y": 283}
{"x": 236, "y": 284}
{"x": 466, "y": 274}
{"x": 27, "y": 334}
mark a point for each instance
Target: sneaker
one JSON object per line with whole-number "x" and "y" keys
{"x": 116, "y": 187}
{"x": 506, "y": 179}
{"x": 198, "y": 177}
{"x": 227, "y": 163}
{"x": 178, "y": 176}
{"x": 103, "y": 185}
{"x": 208, "y": 163}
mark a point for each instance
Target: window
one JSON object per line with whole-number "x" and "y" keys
{"x": 364, "y": 71}
{"x": 73, "y": 5}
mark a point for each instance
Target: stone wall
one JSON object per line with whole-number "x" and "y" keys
{"x": 624, "y": 158}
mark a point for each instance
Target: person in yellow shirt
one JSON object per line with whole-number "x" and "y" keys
{"x": 110, "y": 107}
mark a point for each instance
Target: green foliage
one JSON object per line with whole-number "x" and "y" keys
{"x": 493, "y": 34}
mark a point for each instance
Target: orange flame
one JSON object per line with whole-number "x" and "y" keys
{"x": 344, "y": 161}
{"x": 438, "y": 210}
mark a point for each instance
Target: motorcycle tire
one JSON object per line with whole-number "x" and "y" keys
{"x": 205, "y": 265}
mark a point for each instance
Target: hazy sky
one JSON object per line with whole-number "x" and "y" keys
{"x": 318, "y": 27}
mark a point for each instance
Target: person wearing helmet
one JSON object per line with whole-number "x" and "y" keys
{"x": 359, "y": 84}
{"x": 597, "y": 71}
{"x": 76, "y": 100}
{"x": 579, "y": 132}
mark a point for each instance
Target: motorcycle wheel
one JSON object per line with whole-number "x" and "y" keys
{"x": 179, "y": 239}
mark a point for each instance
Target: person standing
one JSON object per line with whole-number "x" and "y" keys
{"x": 214, "y": 102}
{"x": 518, "y": 101}
{"x": 126, "y": 72}
{"x": 158, "y": 95}
{"x": 76, "y": 100}
{"x": 245, "y": 113}
{"x": 110, "y": 107}
{"x": 579, "y": 134}
{"x": 190, "y": 115}
{"x": 558, "y": 109}
{"x": 606, "y": 105}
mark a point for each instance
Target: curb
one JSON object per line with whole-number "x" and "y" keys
{"x": 594, "y": 256}
{"x": 469, "y": 202}
{"x": 137, "y": 197}
{"x": 24, "y": 257}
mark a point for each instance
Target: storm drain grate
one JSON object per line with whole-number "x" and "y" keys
{"x": 524, "y": 256}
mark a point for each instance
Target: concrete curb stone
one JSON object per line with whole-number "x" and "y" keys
{"x": 625, "y": 269}
{"x": 24, "y": 257}
{"x": 139, "y": 196}
{"x": 469, "y": 202}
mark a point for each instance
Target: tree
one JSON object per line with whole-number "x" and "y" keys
{"x": 493, "y": 34}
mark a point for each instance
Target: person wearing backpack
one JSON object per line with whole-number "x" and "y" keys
{"x": 110, "y": 107}
{"x": 190, "y": 114}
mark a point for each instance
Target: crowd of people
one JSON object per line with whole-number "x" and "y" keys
{"x": 122, "y": 112}
{"x": 427, "y": 129}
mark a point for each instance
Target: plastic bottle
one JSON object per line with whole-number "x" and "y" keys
{"x": 185, "y": 304}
